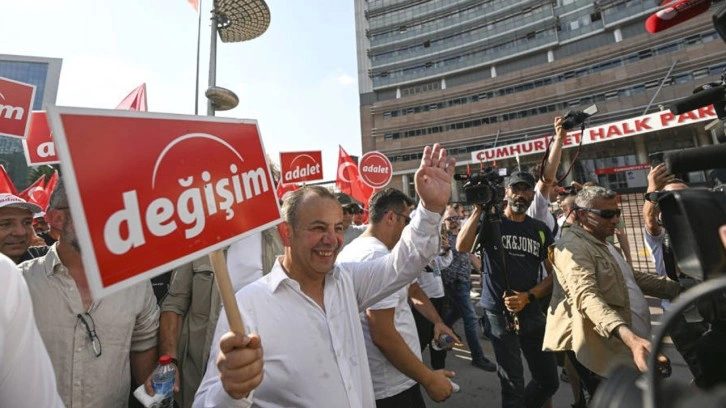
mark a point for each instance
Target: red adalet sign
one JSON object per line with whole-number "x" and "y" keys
{"x": 149, "y": 192}
{"x": 39, "y": 147}
{"x": 296, "y": 167}
{"x": 16, "y": 102}
{"x": 375, "y": 169}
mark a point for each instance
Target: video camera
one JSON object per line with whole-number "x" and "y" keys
{"x": 485, "y": 188}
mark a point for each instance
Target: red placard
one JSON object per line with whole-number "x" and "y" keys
{"x": 16, "y": 101}
{"x": 375, "y": 169}
{"x": 297, "y": 167}
{"x": 149, "y": 192}
{"x": 39, "y": 146}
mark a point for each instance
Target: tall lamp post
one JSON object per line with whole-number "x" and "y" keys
{"x": 234, "y": 21}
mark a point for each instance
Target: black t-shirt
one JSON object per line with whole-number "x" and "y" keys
{"x": 525, "y": 244}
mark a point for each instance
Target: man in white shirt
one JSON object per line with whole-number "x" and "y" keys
{"x": 306, "y": 310}
{"x": 389, "y": 328}
{"x": 24, "y": 361}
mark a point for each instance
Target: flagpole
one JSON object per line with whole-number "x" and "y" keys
{"x": 199, "y": 35}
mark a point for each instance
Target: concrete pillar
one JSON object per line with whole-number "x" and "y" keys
{"x": 493, "y": 71}
{"x": 398, "y": 93}
{"x": 565, "y": 163}
{"x": 443, "y": 83}
{"x": 641, "y": 152}
{"x": 550, "y": 56}
{"x": 404, "y": 185}
{"x": 455, "y": 189}
{"x": 618, "y": 34}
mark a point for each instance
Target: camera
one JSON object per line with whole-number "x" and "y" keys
{"x": 485, "y": 188}
{"x": 573, "y": 119}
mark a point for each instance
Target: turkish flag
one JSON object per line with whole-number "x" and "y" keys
{"x": 195, "y": 4}
{"x": 33, "y": 190}
{"x": 283, "y": 189}
{"x": 6, "y": 184}
{"x": 44, "y": 199}
{"x": 136, "y": 100}
{"x": 348, "y": 179}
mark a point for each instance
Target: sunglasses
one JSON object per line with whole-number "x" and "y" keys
{"x": 453, "y": 218}
{"x": 607, "y": 214}
{"x": 406, "y": 218}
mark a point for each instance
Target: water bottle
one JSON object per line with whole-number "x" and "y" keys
{"x": 163, "y": 381}
{"x": 444, "y": 342}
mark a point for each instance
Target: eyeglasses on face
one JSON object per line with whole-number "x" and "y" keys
{"x": 90, "y": 326}
{"x": 607, "y": 214}
{"x": 406, "y": 218}
{"x": 452, "y": 218}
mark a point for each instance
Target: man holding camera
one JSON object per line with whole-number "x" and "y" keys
{"x": 511, "y": 289}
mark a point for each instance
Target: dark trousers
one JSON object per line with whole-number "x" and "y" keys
{"x": 426, "y": 333}
{"x": 588, "y": 379}
{"x": 508, "y": 350}
{"x": 411, "y": 398}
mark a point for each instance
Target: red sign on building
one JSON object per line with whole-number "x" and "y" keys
{"x": 375, "y": 169}
{"x": 297, "y": 167}
{"x": 39, "y": 146}
{"x": 16, "y": 102}
{"x": 149, "y": 192}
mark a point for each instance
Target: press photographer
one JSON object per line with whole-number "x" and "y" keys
{"x": 514, "y": 245}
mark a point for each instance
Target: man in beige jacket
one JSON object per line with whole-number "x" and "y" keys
{"x": 598, "y": 309}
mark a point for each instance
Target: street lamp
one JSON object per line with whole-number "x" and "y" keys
{"x": 235, "y": 21}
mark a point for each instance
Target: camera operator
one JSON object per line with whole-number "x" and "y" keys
{"x": 685, "y": 335}
{"x": 524, "y": 242}
{"x": 598, "y": 310}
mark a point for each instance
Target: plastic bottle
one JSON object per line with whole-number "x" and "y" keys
{"x": 444, "y": 342}
{"x": 163, "y": 381}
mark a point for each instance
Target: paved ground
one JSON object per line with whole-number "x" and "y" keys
{"x": 481, "y": 389}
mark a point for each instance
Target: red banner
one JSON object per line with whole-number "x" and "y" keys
{"x": 16, "y": 102}
{"x": 296, "y": 167}
{"x": 348, "y": 179}
{"x": 149, "y": 192}
{"x": 620, "y": 169}
{"x": 38, "y": 146}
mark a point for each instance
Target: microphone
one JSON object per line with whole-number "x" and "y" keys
{"x": 696, "y": 159}
{"x": 676, "y": 13}
{"x": 699, "y": 100}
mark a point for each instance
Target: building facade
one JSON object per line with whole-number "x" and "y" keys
{"x": 44, "y": 73}
{"x": 477, "y": 75}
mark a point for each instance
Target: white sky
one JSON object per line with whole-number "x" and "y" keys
{"x": 298, "y": 79}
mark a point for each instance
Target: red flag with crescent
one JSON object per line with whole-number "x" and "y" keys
{"x": 348, "y": 179}
{"x": 6, "y": 184}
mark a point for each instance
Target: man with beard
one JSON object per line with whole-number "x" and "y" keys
{"x": 524, "y": 243}
{"x": 95, "y": 345}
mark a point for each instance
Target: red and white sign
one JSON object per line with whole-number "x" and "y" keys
{"x": 16, "y": 102}
{"x": 149, "y": 192}
{"x": 297, "y": 167}
{"x": 620, "y": 169}
{"x": 39, "y": 146}
{"x": 602, "y": 133}
{"x": 375, "y": 169}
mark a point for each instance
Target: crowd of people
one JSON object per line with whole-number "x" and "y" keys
{"x": 337, "y": 313}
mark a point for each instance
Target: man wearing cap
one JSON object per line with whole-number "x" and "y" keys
{"x": 16, "y": 229}
{"x": 524, "y": 241}
{"x": 350, "y": 207}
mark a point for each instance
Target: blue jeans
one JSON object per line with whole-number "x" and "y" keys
{"x": 542, "y": 365}
{"x": 462, "y": 308}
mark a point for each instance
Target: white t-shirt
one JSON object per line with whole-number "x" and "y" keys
{"x": 387, "y": 379}
{"x": 638, "y": 305}
{"x": 539, "y": 209}
{"x": 430, "y": 282}
{"x": 27, "y": 378}
{"x": 655, "y": 247}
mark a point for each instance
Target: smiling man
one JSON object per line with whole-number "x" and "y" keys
{"x": 598, "y": 311}
{"x": 16, "y": 229}
{"x": 306, "y": 310}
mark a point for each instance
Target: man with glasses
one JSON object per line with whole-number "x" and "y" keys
{"x": 389, "y": 329}
{"x": 457, "y": 282}
{"x": 518, "y": 253}
{"x": 95, "y": 345}
{"x": 599, "y": 313}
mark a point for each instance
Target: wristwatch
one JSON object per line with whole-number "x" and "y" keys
{"x": 531, "y": 297}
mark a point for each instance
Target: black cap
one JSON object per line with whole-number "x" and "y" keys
{"x": 347, "y": 201}
{"x": 521, "y": 177}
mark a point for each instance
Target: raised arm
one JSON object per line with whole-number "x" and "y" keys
{"x": 657, "y": 179}
{"x": 549, "y": 173}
